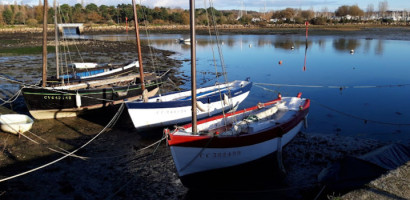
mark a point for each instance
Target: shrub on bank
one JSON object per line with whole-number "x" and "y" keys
{"x": 31, "y": 23}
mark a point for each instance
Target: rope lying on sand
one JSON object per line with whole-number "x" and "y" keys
{"x": 110, "y": 124}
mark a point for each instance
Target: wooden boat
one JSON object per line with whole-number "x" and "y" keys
{"x": 15, "y": 123}
{"x": 92, "y": 71}
{"x": 68, "y": 100}
{"x": 235, "y": 139}
{"x": 175, "y": 108}
{"x": 48, "y": 103}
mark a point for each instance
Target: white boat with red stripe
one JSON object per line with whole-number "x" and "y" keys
{"x": 230, "y": 140}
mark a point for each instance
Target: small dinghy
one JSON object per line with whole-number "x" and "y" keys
{"x": 15, "y": 123}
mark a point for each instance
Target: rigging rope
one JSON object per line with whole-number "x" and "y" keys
{"x": 149, "y": 43}
{"x": 110, "y": 124}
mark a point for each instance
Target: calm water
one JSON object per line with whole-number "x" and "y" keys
{"x": 352, "y": 94}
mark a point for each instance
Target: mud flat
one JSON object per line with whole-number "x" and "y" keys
{"x": 116, "y": 165}
{"x": 393, "y": 185}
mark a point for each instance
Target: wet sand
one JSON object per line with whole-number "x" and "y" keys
{"x": 115, "y": 167}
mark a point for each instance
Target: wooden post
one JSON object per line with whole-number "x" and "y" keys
{"x": 138, "y": 45}
{"x": 56, "y": 33}
{"x": 193, "y": 64}
{"x": 45, "y": 8}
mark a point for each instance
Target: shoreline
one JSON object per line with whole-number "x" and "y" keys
{"x": 102, "y": 176}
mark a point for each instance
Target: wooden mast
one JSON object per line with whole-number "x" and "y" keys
{"x": 137, "y": 34}
{"x": 45, "y": 8}
{"x": 56, "y": 33}
{"x": 193, "y": 64}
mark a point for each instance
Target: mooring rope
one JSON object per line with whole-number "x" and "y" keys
{"x": 127, "y": 154}
{"x": 116, "y": 116}
{"x": 63, "y": 151}
{"x": 344, "y": 113}
{"x": 145, "y": 164}
{"x": 329, "y": 86}
{"x": 359, "y": 118}
{"x": 11, "y": 99}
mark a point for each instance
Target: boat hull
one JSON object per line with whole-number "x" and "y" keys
{"x": 82, "y": 75}
{"x": 236, "y": 139}
{"x": 45, "y": 103}
{"x": 166, "y": 113}
{"x": 191, "y": 160}
{"x": 15, "y": 123}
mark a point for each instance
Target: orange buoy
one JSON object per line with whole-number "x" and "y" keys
{"x": 280, "y": 62}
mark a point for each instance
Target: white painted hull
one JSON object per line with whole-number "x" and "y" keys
{"x": 15, "y": 123}
{"x": 143, "y": 118}
{"x": 190, "y": 160}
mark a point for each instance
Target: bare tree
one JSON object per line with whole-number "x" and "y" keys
{"x": 383, "y": 6}
{"x": 370, "y": 10}
{"x": 325, "y": 12}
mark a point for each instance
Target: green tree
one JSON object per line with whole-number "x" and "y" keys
{"x": 19, "y": 18}
{"x": 246, "y": 19}
{"x": 105, "y": 12}
{"x": 66, "y": 13}
{"x": 8, "y": 16}
{"x": 91, "y": 8}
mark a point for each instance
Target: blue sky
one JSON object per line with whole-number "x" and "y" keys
{"x": 257, "y": 5}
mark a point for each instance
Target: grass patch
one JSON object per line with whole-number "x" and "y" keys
{"x": 9, "y": 41}
{"x": 26, "y": 50}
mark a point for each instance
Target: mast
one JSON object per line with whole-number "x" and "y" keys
{"x": 45, "y": 43}
{"x": 137, "y": 34}
{"x": 193, "y": 63}
{"x": 56, "y": 33}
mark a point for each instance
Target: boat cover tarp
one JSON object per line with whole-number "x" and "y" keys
{"x": 353, "y": 172}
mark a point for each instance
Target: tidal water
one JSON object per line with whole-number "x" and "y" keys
{"x": 359, "y": 87}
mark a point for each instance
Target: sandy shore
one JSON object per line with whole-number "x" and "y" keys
{"x": 115, "y": 166}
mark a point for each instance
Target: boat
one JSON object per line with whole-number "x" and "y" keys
{"x": 47, "y": 101}
{"x": 209, "y": 152}
{"x": 92, "y": 71}
{"x": 15, "y": 123}
{"x": 73, "y": 100}
{"x": 236, "y": 138}
{"x": 175, "y": 108}
{"x": 185, "y": 41}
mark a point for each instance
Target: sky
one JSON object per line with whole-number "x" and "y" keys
{"x": 256, "y": 5}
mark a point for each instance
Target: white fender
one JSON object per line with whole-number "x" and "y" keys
{"x": 226, "y": 99}
{"x": 78, "y": 100}
{"x": 201, "y": 106}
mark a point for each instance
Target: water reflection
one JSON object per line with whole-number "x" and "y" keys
{"x": 344, "y": 45}
{"x": 331, "y": 75}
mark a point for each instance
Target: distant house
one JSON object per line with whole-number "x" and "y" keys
{"x": 256, "y": 19}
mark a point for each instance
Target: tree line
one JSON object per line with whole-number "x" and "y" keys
{"x": 91, "y": 13}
